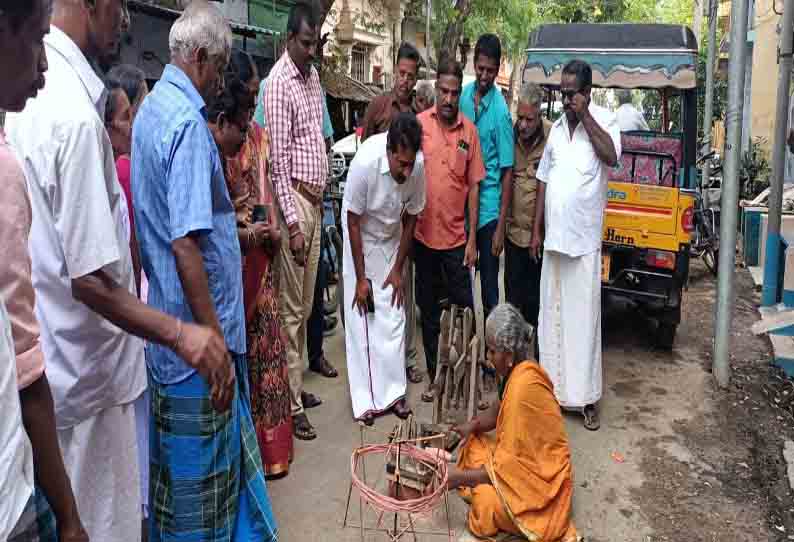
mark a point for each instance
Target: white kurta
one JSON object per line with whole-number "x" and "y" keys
{"x": 569, "y": 323}
{"x": 375, "y": 343}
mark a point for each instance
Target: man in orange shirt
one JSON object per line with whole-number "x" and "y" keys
{"x": 443, "y": 251}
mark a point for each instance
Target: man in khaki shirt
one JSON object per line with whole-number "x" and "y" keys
{"x": 522, "y": 257}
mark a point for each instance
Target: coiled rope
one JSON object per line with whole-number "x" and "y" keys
{"x": 384, "y": 503}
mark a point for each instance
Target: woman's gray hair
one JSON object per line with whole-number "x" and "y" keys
{"x": 507, "y": 331}
{"x": 531, "y": 94}
{"x": 201, "y": 26}
{"x": 426, "y": 91}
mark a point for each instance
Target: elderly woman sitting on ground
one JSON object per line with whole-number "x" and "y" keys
{"x": 517, "y": 480}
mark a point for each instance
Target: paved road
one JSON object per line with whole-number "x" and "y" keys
{"x": 645, "y": 394}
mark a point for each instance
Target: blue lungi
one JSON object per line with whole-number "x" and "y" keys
{"x": 206, "y": 482}
{"x": 37, "y": 523}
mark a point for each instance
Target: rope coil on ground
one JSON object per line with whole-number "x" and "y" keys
{"x": 384, "y": 503}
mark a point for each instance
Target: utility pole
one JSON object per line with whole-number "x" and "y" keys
{"x": 775, "y": 204}
{"x": 708, "y": 116}
{"x": 697, "y": 18}
{"x": 428, "y": 41}
{"x": 730, "y": 192}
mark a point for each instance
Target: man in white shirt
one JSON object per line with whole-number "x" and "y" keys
{"x": 385, "y": 192}
{"x": 28, "y": 440}
{"x": 83, "y": 278}
{"x": 629, "y": 117}
{"x": 571, "y": 198}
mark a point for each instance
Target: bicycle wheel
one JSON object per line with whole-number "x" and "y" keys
{"x": 711, "y": 259}
{"x": 336, "y": 239}
{"x": 330, "y": 294}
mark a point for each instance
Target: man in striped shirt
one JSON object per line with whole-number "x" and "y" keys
{"x": 293, "y": 109}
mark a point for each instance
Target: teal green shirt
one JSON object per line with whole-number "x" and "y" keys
{"x": 259, "y": 114}
{"x": 495, "y": 127}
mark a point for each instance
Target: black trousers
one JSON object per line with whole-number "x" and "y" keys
{"x": 522, "y": 281}
{"x": 440, "y": 275}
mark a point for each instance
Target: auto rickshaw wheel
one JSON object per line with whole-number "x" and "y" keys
{"x": 665, "y": 335}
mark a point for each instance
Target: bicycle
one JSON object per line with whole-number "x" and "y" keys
{"x": 331, "y": 240}
{"x": 705, "y": 241}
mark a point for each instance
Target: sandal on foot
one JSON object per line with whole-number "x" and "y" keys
{"x": 401, "y": 409}
{"x": 309, "y": 400}
{"x": 324, "y": 368}
{"x": 413, "y": 375}
{"x": 302, "y": 428}
{"x": 591, "y": 421}
{"x": 428, "y": 396}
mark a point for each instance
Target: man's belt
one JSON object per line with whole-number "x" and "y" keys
{"x": 309, "y": 192}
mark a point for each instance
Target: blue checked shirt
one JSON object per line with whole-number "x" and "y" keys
{"x": 178, "y": 189}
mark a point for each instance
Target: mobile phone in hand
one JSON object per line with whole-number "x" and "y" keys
{"x": 370, "y": 298}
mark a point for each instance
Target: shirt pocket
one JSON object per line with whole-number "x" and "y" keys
{"x": 523, "y": 201}
{"x": 586, "y": 161}
{"x": 459, "y": 160}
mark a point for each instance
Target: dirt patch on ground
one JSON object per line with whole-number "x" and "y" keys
{"x": 721, "y": 475}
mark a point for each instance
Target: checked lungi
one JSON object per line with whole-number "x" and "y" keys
{"x": 206, "y": 476}
{"x": 37, "y": 523}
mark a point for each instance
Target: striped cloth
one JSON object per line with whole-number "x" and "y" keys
{"x": 206, "y": 480}
{"x": 37, "y": 523}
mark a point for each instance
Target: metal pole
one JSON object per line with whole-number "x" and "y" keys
{"x": 730, "y": 191}
{"x": 427, "y": 32}
{"x": 771, "y": 272}
{"x": 708, "y": 114}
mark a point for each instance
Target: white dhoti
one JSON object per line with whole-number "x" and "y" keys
{"x": 101, "y": 459}
{"x": 569, "y": 327}
{"x": 375, "y": 343}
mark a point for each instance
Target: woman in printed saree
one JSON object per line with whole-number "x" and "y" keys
{"x": 249, "y": 185}
{"x": 517, "y": 480}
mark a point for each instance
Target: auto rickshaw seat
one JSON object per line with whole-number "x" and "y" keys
{"x": 649, "y": 158}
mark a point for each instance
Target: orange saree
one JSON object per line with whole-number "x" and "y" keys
{"x": 528, "y": 461}
{"x": 248, "y": 180}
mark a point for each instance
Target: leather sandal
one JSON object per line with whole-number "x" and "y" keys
{"x": 302, "y": 428}
{"x": 401, "y": 409}
{"x": 324, "y": 368}
{"x": 591, "y": 420}
{"x": 413, "y": 375}
{"x": 309, "y": 400}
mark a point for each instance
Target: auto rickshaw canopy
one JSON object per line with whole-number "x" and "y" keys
{"x": 631, "y": 56}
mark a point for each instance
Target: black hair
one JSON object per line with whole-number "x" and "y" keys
{"x": 489, "y": 46}
{"x": 404, "y": 131}
{"x": 234, "y": 99}
{"x": 408, "y": 52}
{"x": 110, "y": 104}
{"x": 127, "y": 77}
{"x": 449, "y": 66}
{"x": 18, "y": 11}
{"x": 582, "y": 71}
{"x": 242, "y": 65}
{"x": 301, "y": 13}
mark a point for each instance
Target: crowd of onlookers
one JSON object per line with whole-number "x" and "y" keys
{"x": 162, "y": 272}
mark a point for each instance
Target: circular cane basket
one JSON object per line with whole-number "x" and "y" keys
{"x": 424, "y": 504}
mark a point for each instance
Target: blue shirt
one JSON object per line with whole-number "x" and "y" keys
{"x": 259, "y": 113}
{"x": 179, "y": 189}
{"x": 495, "y": 128}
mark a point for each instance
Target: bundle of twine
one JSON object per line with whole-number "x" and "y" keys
{"x": 384, "y": 503}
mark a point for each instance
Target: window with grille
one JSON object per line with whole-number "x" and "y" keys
{"x": 359, "y": 63}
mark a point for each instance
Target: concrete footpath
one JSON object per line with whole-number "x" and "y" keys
{"x": 622, "y": 472}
